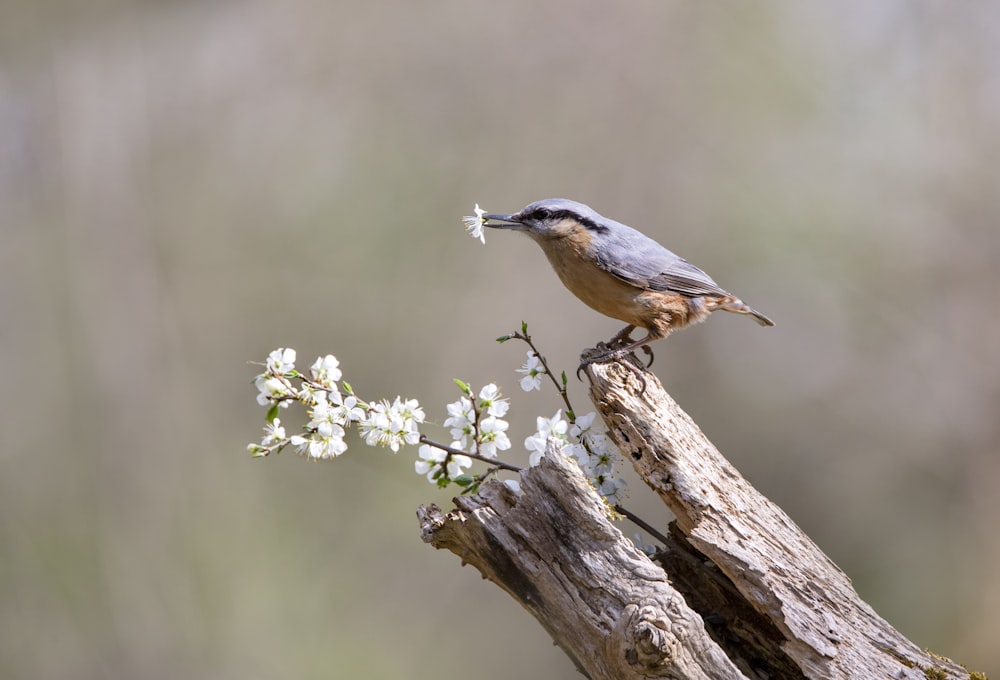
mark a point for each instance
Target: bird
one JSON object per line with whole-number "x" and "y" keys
{"x": 621, "y": 273}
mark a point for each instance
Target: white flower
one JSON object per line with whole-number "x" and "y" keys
{"x": 324, "y": 421}
{"x": 432, "y": 459}
{"x": 374, "y": 428}
{"x": 612, "y": 488}
{"x": 274, "y": 433}
{"x": 533, "y": 372}
{"x": 584, "y": 425}
{"x": 281, "y": 361}
{"x": 325, "y": 371}
{"x": 429, "y": 462}
{"x": 345, "y": 411}
{"x": 459, "y": 413}
{"x": 555, "y": 426}
{"x": 536, "y": 444}
{"x": 578, "y": 451}
{"x": 272, "y": 388}
{"x": 460, "y": 419}
{"x": 474, "y": 225}
{"x": 393, "y": 424}
{"x": 410, "y": 410}
{"x": 595, "y": 464}
{"x": 321, "y": 446}
{"x": 493, "y": 436}
{"x": 326, "y": 442}
{"x": 489, "y": 399}
{"x": 310, "y": 396}
{"x": 456, "y": 464}
{"x": 599, "y": 455}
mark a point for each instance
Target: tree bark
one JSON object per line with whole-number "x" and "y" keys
{"x": 739, "y": 591}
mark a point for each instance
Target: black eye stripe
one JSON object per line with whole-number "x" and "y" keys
{"x": 548, "y": 215}
{"x": 593, "y": 226}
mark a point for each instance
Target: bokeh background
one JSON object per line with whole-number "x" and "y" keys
{"x": 185, "y": 186}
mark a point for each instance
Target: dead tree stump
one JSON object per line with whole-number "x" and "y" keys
{"x": 739, "y": 591}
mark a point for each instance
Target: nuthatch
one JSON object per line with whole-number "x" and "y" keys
{"x": 620, "y": 272}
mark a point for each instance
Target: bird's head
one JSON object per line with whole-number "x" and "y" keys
{"x": 550, "y": 218}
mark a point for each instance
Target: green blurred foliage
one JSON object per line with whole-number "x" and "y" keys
{"x": 185, "y": 186}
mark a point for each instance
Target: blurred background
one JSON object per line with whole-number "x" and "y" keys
{"x": 185, "y": 186}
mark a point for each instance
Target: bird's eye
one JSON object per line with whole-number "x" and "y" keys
{"x": 543, "y": 214}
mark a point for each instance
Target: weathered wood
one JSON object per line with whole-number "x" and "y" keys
{"x": 554, "y": 550}
{"x": 828, "y": 630}
{"x": 745, "y": 592}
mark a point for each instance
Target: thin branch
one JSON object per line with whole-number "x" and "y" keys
{"x": 475, "y": 456}
{"x": 545, "y": 364}
{"x": 641, "y": 523}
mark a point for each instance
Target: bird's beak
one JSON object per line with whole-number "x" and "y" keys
{"x": 505, "y": 222}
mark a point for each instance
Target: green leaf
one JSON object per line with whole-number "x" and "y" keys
{"x": 524, "y": 327}
{"x": 347, "y": 387}
{"x": 464, "y": 480}
{"x": 272, "y": 413}
{"x": 564, "y": 378}
{"x": 503, "y": 338}
{"x": 466, "y": 390}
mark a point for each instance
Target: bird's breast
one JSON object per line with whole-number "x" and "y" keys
{"x": 570, "y": 258}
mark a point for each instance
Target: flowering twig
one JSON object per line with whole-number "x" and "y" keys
{"x": 593, "y": 449}
{"x": 560, "y": 388}
{"x": 476, "y": 421}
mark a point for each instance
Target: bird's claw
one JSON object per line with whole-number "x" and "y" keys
{"x": 648, "y": 350}
{"x": 591, "y": 356}
{"x": 596, "y": 357}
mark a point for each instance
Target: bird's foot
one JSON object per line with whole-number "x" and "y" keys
{"x": 622, "y": 337}
{"x": 602, "y": 354}
{"x": 623, "y": 340}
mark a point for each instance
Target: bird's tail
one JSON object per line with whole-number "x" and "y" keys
{"x": 737, "y": 306}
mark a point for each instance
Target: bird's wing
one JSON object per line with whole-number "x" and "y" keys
{"x": 644, "y": 263}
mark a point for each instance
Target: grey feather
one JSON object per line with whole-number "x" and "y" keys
{"x": 640, "y": 261}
